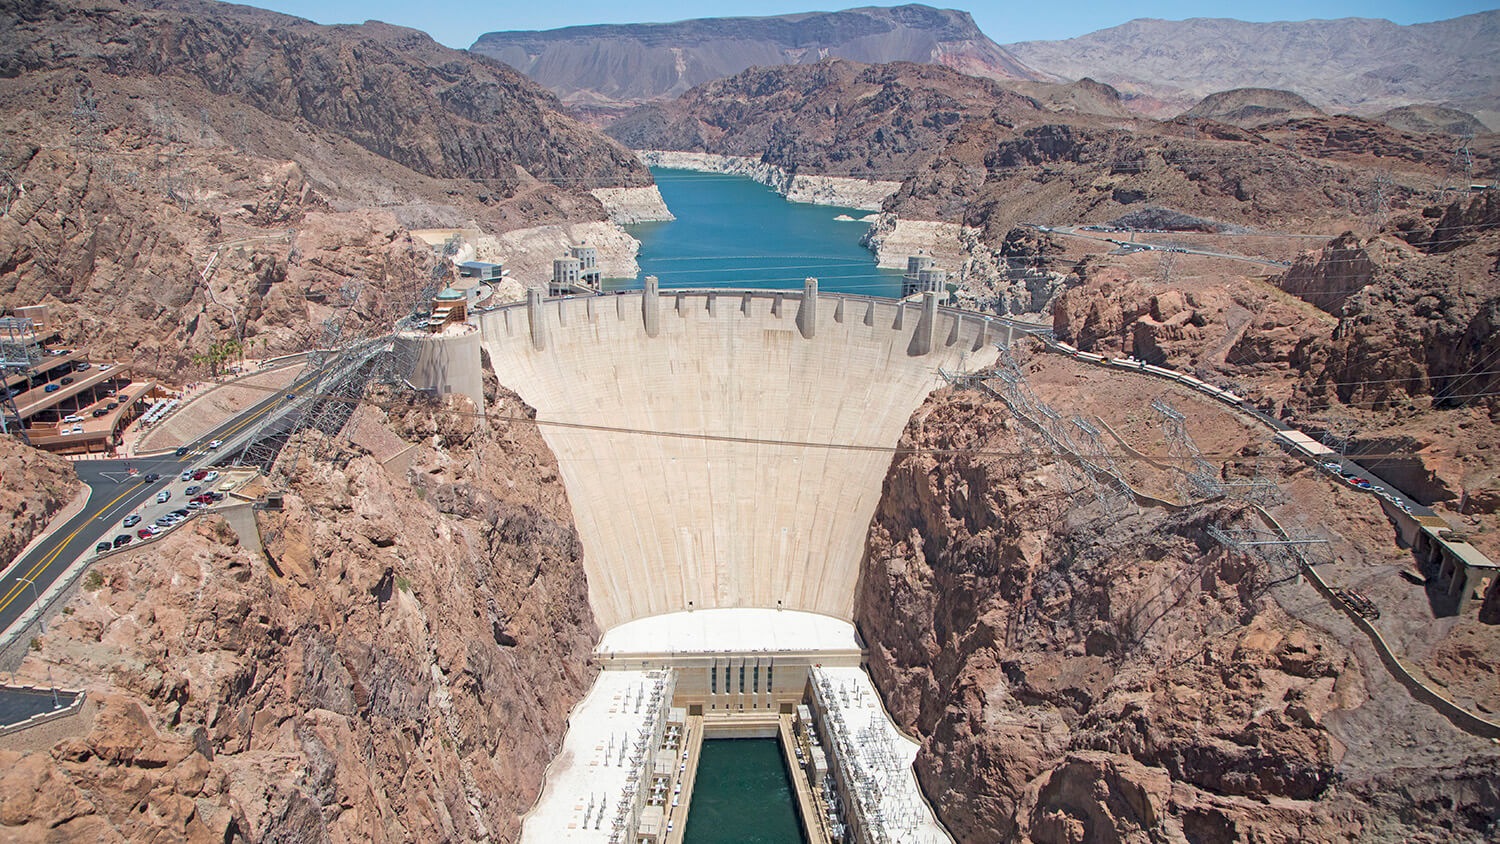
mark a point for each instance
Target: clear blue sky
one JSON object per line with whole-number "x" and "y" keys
{"x": 458, "y": 22}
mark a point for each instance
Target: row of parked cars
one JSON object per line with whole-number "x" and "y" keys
{"x": 1358, "y": 482}
{"x": 199, "y": 498}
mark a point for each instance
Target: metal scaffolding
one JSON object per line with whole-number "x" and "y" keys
{"x": 19, "y": 352}
{"x": 1284, "y": 552}
{"x": 1195, "y": 475}
{"x": 1074, "y": 441}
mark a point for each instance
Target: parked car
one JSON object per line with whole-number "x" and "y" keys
{"x": 200, "y": 474}
{"x": 112, "y": 405}
{"x": 72, "y": 417}
{"x": 103, "y": 546}
{"x": 146, "y": 532}
{"x": 100, "y": 412}
{"x": 106, "y": 367}
{"x": 211, "y": 477}
{"x": 192, "y": 490}
{"x": 164, "y": 496}
{"x": 187, "y": 474}
{"x": 52, "y": 388}
{"x": 180, "y": 512}
{"x": 131, "y": 520}
{"x": 81, "y": 366}
{"x": 67, "y": 379}
{"x": 76, "y": 429}
{"x": 123, "y": 539}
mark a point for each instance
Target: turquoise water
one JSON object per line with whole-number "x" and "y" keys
{"x": 742, "y": 795}
{"x": 731, "y": 231}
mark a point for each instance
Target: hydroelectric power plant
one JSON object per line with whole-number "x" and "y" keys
{"x": 724, "y": 451}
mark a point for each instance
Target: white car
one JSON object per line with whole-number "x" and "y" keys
{"x": 187, "y": 474}
{"x": 210, "y": 478}
{"x": 106, "y": 367}
{"x": 73, "y": 418}
{"x": 215, "y": 444}
{"x": 164, "y": 496}
{"x": 76, "y": 429}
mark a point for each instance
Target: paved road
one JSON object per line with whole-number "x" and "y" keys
{"x": 117, "y": 488}
{"x": 1072, "y": 231}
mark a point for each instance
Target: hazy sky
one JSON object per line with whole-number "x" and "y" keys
{"x": 458, "y": 22}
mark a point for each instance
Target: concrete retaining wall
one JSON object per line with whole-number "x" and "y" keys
{"x": 447, "y": 362}
{"x": 739, "y": 506}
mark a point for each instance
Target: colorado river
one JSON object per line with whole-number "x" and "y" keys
{"x": 731, "y": 231}
{"x": 741, "y": 795}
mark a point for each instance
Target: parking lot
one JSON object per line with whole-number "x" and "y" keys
{"x": 157, "y": 517}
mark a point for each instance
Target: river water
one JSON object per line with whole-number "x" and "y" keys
{"x": 742, "y": 795}
{"x": 731, "y": 231}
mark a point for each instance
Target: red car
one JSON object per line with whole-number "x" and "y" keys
{"x": 145, "y": 533}
{"x": 200, "y": 474}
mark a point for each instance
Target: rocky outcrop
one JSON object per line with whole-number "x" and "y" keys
{"x": 398, "y": 664}
{"x": 1080, "y": 676}
{"x": 143, "y": 143}
{"x": 1430, "y": 119}
{"x": 627, "y": 206}
{"x": 832, "y": 118}
{"x": 633, "y": 63}
{"x": 1251, "y": 107}
{"x": 866, "y": 194}
{"x": 1084, "y": 96}
{"x": 33, "y": 486}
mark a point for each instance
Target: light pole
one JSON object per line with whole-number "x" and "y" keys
{"x": 36, "y": 602}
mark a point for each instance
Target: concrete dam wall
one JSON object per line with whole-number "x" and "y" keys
{"x": 735, "y": 508}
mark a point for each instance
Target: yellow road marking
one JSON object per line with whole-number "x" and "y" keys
{"x": 47, "y": 560}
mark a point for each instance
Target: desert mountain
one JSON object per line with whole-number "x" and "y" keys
{"x": 1250, "y": 107}
{"x": 136, "y": 136}
{"x": 624, "y": 64}
{"x": 1084, "y": 96}
{"x": 1352, "y": 64}
{"x": 836, "y": 117}
{"x": 1429, "y": 119}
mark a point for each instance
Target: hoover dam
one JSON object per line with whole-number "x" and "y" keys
{"x": 779, "y": 411}
{"x": 723, "y": 452}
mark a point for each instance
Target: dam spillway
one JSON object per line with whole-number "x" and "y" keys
{"x": 748, "y": 433}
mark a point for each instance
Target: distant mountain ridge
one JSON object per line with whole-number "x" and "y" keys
{"x": 634, "y": 63}
{"x": 1354, "y": 64}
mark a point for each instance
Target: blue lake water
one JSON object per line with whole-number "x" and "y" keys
{"x": 742, "y": 795}
{"x": 731, "y": 231}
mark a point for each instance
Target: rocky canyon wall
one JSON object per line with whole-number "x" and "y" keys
{"x": 34, "y": 485}
{"x": 397, "y": 665}
{"x": 1075, "y": 675}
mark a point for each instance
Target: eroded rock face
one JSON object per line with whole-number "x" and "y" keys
{"x": 33, "y": 486}
{"x": 397, "y": 665}
{"x": 1077, "y": 677}
{"x": 180, "y": 174}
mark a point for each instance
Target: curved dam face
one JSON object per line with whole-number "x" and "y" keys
{"x": 739, "y": 505}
